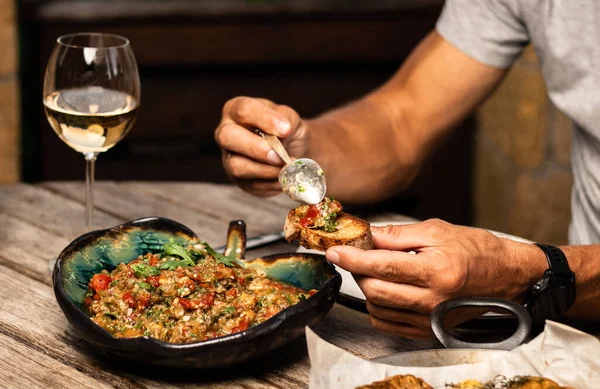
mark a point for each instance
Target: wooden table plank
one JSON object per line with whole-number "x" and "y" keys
{"x": 227, "y": 202}
{"x": 131, "y": 202}
{"x": 128, "y": 204}
{"x": 49, "y": 211}
{"x": 28, "y": 368}
{"x": 27, "y": 249}
{"x": 29, "y": 314}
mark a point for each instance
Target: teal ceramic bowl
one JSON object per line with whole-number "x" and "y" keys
{"x": 105, "y": 249}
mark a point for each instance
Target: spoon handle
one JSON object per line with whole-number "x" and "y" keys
{"x": 275, "y": 144}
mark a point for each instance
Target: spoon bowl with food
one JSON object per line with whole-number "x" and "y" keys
{"x": 303, "y": 179}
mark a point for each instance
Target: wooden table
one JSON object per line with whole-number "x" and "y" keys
{"x": 39, "y": 349}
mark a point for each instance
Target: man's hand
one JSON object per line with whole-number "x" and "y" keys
{"x": 248, "y": 159}
{"x": 450, "y": 261}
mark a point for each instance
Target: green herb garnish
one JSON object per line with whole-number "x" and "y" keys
{"x": 229, "y": 310}
{"x": 175, "y": 250}
{"x": 221, "y": 258}
{"x": 143, "y": 270}
{"x": 147, "y": 286}
{"x": 302, "y": 297}
{"x": 287, "y": 297}
{"x": 330, "y": 222}
{"x": 301, "y": 189}
{"x": 298, "y": 162}
{"x": 196, "y": 255}
{"x": 174, "y": 264}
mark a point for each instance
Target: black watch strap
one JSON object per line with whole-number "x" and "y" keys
{"x": 553, "y": 295}
{"x": 557, "y": 261}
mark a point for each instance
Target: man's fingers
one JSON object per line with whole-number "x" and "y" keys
{"x": 240, "y": 167}
{"x": 239, "y": 140}
{"x": 251, "y": 113}
{"x": 260, "y": 193}
{"x": 402, "y": 329}
{"x": 400, "y": 296}
{"x": 290, "y": 114}
{"x": 410, "y": 236}
{"x": 396, "y": 266}
{"x": 262, "y": 188}
{"x": 399, "y": 315}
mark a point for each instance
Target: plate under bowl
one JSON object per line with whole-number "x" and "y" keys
{"x": 104, "y": 249}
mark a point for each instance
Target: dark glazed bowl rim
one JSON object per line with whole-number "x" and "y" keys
{"x": 102, "y": 338}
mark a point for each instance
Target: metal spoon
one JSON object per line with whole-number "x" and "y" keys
{"x": 303, "y": 179}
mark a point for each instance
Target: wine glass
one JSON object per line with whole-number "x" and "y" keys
{"x": 91, "y": 97}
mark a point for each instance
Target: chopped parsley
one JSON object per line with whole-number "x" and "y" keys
{"x": 147, "y": 286}
{"x": 301, "y": 189}
{"x": 229, "y": 310}
{"x": 330, "y": 222}
{"x": 221, "y": 258}
{"x": 288, "y": 299}
{"x": 143, "y": 270}
{"x": 298, "y": 162}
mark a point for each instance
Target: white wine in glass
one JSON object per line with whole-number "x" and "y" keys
{"x": 91, "y": 96}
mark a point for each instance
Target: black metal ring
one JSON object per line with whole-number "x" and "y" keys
{"x": 449, "y": 341}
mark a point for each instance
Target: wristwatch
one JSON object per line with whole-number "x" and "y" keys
{"x": 553, "y": 295}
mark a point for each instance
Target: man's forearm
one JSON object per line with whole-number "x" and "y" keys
{"x": 356, "y": 146}
{"x": 584, "y": 261}
{"x": 373, "y": 148}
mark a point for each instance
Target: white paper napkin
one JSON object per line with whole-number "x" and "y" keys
{"x": 561, "y": 353}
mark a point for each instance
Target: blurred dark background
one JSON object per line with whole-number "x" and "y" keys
{"x": 193, "y": 56}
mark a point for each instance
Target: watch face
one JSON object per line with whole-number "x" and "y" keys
{"x": 553, "y": 301}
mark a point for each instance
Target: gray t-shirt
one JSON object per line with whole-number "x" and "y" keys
{"x": 566, "y": 37}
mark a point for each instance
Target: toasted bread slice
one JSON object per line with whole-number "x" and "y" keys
{"x": 350, "y": 231}
{"x": 400, "y": 381}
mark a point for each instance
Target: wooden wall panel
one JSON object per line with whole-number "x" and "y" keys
{"x": 9, "y": 95}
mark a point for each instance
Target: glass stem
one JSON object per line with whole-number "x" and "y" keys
{"x": 90, "y": 164}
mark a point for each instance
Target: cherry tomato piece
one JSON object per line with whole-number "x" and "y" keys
{"x": 153, "y": 280}
{"x": 305, "y": 222}
{"x": 128, "y": 299}
{"x": 100, "y": 282}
